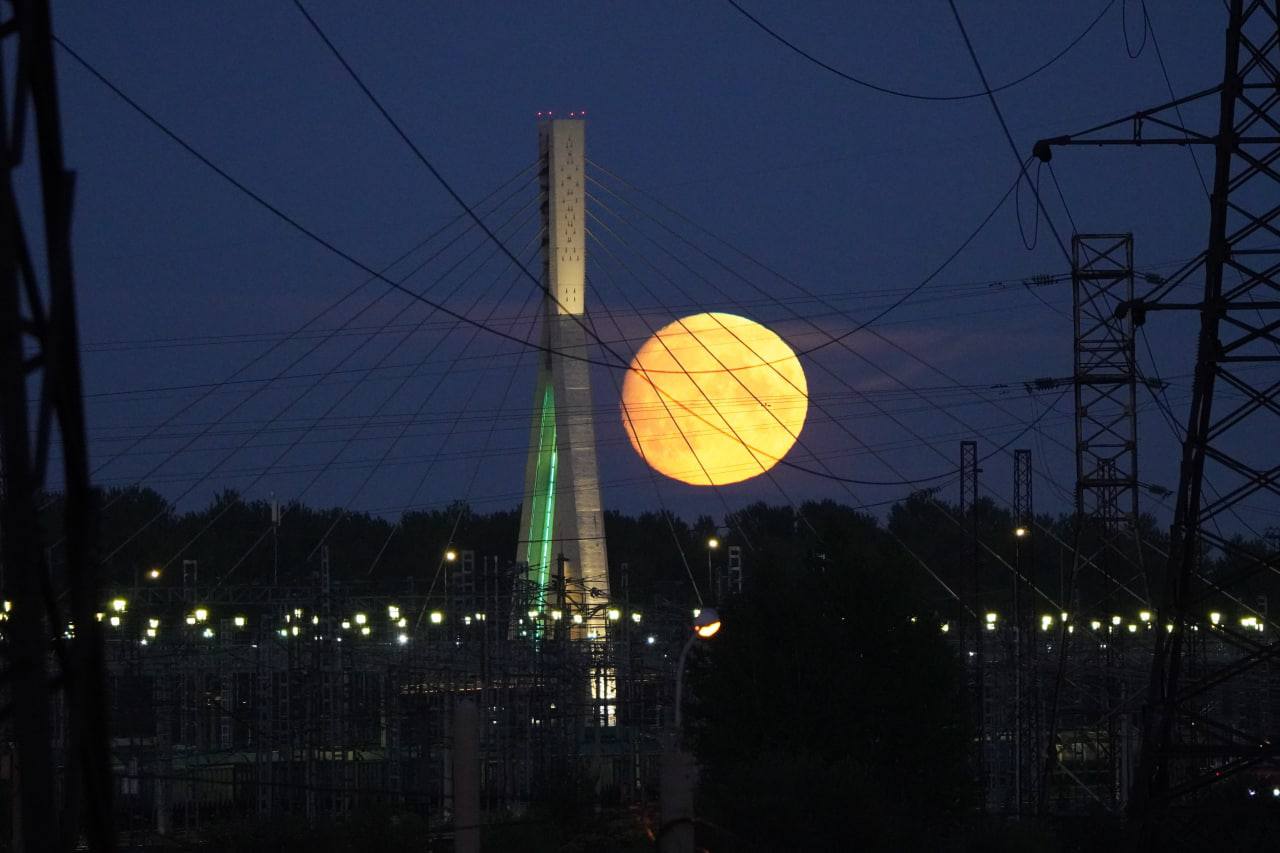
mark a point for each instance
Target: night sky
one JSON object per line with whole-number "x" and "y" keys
{"x": 849, "y": 193}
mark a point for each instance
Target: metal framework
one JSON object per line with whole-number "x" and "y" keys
{"x": 969, "y": 515}
{"x": 1228, "y": 460}
{"x": 318, "y": 701}
{"x": 1105, "y": 379}
{"x": 1024, "y": 700}
{"x": 39, "y": 351}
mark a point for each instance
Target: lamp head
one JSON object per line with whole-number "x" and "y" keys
{"x": 706, "y": 623}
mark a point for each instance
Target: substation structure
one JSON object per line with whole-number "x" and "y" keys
{"x": 1097, "y": 736}
{"x": 1060, "y": 669}
{"x": 259, "y": 702}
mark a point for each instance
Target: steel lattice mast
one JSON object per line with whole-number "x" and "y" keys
{"x": 39, "y": 348}
{"x": 1228, "y": 449}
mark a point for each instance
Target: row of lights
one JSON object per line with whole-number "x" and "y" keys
{"x": 991, "y": 620}
{"x": 360, "y": 620}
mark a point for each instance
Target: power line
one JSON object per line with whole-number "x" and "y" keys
{"x": 914, "y": 95}
{"x": 422, "y": 158}
{"x": 1008, "y": 135}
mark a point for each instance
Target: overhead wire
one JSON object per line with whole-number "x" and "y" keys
{"x": 900, "y": 93}
{"x": 844, "y": 481}
{"x": 435, "y": 173}
{"x": 279, "y": 213}
{"x": 344, "y": 511}
{"x": 347, "y": 357}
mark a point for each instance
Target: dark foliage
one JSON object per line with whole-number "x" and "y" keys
{"x": 824, "y": 717}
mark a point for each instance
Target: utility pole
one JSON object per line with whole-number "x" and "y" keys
{"x": 976, "y": 645}
{"x": 1023, "y": 521}
{"x": 39, "y": 347}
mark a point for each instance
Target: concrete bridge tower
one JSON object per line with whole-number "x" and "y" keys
{"x": 562, "y": 521}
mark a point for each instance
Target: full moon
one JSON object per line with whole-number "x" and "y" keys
{"x": 713, "y": 399}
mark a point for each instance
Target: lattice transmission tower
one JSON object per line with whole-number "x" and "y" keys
{"x": 1192, "y": 740}
{"x": 39, "y": 357}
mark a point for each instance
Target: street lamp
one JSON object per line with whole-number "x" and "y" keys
{"x": 676, "y": 788}
{"x": 450, "y": 555}
{"x": 705, "y": 626}
{"x": 712, "y": 544}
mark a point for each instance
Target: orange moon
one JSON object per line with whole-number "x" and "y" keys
{"x": 713, "y": 399}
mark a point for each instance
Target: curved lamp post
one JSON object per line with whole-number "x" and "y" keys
{"x": 677, "y": 780}
{"x": 705, "y": 626}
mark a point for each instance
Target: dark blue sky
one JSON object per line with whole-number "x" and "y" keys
{"x": 850, "y": 193}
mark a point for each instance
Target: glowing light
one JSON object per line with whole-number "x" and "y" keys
{"x": 393, "y": 612}
{"x": 191, "y": 620}
{"x": 1215, "y": 617}
{"x": 556, "y": 615}
{"x": 1116, "y": 620}
{"x": 1019, "y": 532}
{"x": 346, "y": 625}
{"x": 151, "y": 632}
{"x": 451, "y": 555}
{"x": 651, "y": 639}
{"x": 614, "y": 614}
{"x": 713, "y": 399}
{"x": 119, "y": 605}
{"x": 239, "y": 621}
{"x": 361, "y": 618}
{"x": 208, "y": 632}
{"x": 577, "y": 618}
{"x": 635, "y": 617}
{"x": 946, "y": 627}
{"x": 201, "y": 614}
{"x": 713, "y": 543}
{"x": 532, "y": 614}
{"x": 115, "y": 621}
{"x": 707, "y": 625}
{"x": 154, "y": 574}
{"x": 992, "y": 617}
{"x": 1095, "y": 624}
{"x": 154, "y": 623}
{"x": 1133, "y": 629}
{"x": 403, "y": 623}
{"x": 436, "y": 617}
{"x": 1144, "y": 615}
{"x": 294, "y": 630}
{"x": 315, "y": 620}
{"x": 402, "y": 639}
{"x": 1046, "y": 622}
{"x": 364, "y": 632}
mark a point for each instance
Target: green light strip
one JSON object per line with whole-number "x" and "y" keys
{"x": 543, "y": 510}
